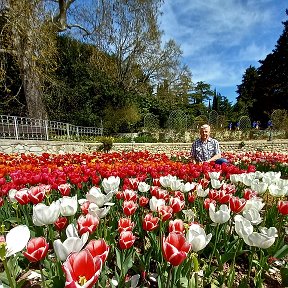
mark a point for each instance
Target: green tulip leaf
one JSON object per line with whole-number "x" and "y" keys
{"x": 183, "y": 282}
{"x": 284, "y": 276}
{"x": 282, "y": 252}
{"x": 118, "y": 259}
{"x": 3, "y": 278}
{"x": 128, "y": 262}
{"x": 13, "y": 220}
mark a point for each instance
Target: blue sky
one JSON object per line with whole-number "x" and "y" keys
{"x": 220, "y": 39}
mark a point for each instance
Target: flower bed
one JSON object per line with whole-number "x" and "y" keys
{"x": 137, "y": 219}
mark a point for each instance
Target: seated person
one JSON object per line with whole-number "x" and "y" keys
{"x": 206, "y": 149}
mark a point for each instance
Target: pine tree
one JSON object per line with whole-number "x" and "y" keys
{"x": 272, "y": 86}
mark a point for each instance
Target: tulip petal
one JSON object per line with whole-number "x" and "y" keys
{"x": 60, "y": 250}
{"x": 16, "y": 239}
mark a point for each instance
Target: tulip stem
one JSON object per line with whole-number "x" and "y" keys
{"x": 214, "y": 246}
{"x": 250, "y": 264}
{"x": 7, "y": 270}
{"x": 42, "y": 275}
{"x": 196, "y": 269}
{"x": 169, "y": 277}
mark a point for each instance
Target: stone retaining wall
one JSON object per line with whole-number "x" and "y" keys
{"x": 38, "y": 147}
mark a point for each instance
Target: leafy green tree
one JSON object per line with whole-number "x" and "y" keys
{"x": 201, "y": 92}
{"x": 272, "y": 86}
{"x": 246, "y": 92}
{"x": 215, "y": 102}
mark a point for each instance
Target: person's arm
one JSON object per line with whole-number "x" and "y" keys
{"x": 214, "y": 158}
{"x": 193, "y": 153}
{"x": 216, "y": 151}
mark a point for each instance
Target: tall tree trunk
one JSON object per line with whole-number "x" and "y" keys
{"x": 32, "y": 89}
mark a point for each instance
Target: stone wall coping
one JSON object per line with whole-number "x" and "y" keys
{"x": 56, "y": 143}
{"x": 62, "y": 147}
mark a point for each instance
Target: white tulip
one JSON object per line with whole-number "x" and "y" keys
{"x": 201, "y": 192}
{"x": 165, "y": 181}
{"x": 96, "y": 196}
{"x": 216, "y": 184}
{"x": 44, "y": 215}
{"x": 72, "y": 244}
{"x": 214, "y": 175}
{"x": 221, "y": 216}
{"x": 258, "y": 175}
{"x": 255, "y": 202}
{"x": 156, "y": 203}
{"x": 11, "y": 195}
{"x": 264, "y": 239}
{"x": 243, "y": 227}
{"x": 143, "y": 187}
{"x": 17, "y": 239}
{"x": 96, "y": 211}
{"x": 197, "y": 237}
{"x": 187, "y": 187}
{"x": 258, "y": 186}
{"x": 276, "y": 191}
{"x": 271, "y": 177}
{"x": 111, "y": 184}
{"x": 248, "y": 178}
{"x": 68, "y": 205}
{"x": 175, "y": 184}
{"x": 253, "y": 216}
{"x": 234, "y": 178}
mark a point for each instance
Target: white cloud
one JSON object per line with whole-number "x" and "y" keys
{"x": 220, "y": 39}
{"x": 253, "y": 52}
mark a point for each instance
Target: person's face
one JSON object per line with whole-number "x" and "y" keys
{"x": 204, "y": 133}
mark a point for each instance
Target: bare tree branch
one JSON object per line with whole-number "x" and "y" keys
{"x": 79, "y": 27}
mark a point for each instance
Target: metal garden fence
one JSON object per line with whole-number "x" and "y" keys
{"x": 23, "y": 128}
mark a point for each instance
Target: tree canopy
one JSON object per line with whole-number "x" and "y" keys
{"x": 105, "y": 62}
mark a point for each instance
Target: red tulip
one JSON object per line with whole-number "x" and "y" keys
{"x": 143, "y": 201}
{"x": 165, "y": 213}
{"x": 98, "y": 248}
{"x": 248, "y": 193}
{"x": 159, "y": 193}
{"x": 207, "y": 202}
{"x": 224, "y": 197}
{"x": 84, "y": 207}
{"x": 176, "y": 204}
{"x": 64, "y": 189}
{"x": 179, "y": 195}
{"x": 150, "y": 223}
{"x": 283, "y": 207}
{"x": 175, "y": 248}
{"x": 22, "y": 196}
{"x": 87, "y": 223}
{"x": 119, "y": 195}
{"x": 176, "y": 226}
{"x": 36, "y": 194}
{"x": 129, "y": 207}
{"x": 236, "y": 204}
{"x": 61, "y": 223}
{"x": 125, "y": 224}
{"x": 129, "y": 195}
{"x": 126, "y": 239}
{"x": 37, "y": 249}
{"x": 213, "y": 194}
{"x": 191, "y": 197}
{"x": 82, "y": 270}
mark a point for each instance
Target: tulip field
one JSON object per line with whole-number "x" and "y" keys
{"x": 136, "y": 219}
